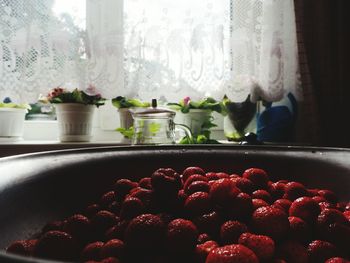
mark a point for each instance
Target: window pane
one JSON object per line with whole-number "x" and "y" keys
{"x": 176, "y": 48}
{"x": 41, "y": 46}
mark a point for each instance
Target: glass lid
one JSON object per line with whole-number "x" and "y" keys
{"x": 152, "y": 112}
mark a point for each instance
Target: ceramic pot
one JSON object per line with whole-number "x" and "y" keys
{"x": 195, "y": 119}
{"x": 11, "y": 123}
{"x": 74, "y": 121}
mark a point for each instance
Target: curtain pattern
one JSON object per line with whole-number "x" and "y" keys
{"x": 38, "y": 50}
{"x": 154, "y": 48}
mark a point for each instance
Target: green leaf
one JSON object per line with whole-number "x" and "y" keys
{"x": 154, "y": 127}
{"x": 77, "y": 96}
{"x": 127, "y": 133}
{"x": 199, "y": 139}
{"x": 205, "y": 104}
{"x": 208, "y": 124}
{"x": 121, "y": 102}
{"x": 56, "y": 100}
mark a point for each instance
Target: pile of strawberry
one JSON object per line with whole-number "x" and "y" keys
{"x": 199, "y": 217}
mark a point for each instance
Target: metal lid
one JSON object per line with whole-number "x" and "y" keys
{"x": 152, "y": 112}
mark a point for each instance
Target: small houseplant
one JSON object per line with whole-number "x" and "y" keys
{"x": 12, "y": 117}
{"x": 240, "y": 118}
{"x": 197, "y": 115}
{"x": 124, "y": 105}
{"x": 75, "y": 110}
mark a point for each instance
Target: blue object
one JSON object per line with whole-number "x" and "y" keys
{"x": 7, "y": 100}
{"x": 276, "y": 123}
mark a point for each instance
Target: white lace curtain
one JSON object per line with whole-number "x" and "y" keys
{"x": 149, "y": 49}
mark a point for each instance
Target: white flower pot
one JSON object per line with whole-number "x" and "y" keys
{"x": 74, "y": 121}
{"x": 11, "y": 123}
{"x": 125, "y": 118}
{"x": 195, "y": 119}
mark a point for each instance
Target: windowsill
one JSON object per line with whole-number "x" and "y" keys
{"x": 43, "y": 136}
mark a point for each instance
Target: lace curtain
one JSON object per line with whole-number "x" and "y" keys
{"x": 155, "y": 48}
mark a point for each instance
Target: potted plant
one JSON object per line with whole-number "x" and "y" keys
{"x": 240, "y": 118}
{"x": 75, "y": 110}
{"x": 12, "y": 117}
{"x": 197, "y": 115}
{"x": 124, "y": 105}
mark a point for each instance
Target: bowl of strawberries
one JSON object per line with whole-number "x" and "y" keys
{"x": 216, "y": 204}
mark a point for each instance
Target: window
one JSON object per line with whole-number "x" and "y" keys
{"x": 156, "y": 48}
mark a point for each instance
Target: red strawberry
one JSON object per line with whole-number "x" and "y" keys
{"x": 299, "y": 229}
{"x": 114, "y": 207}
{"x": 284, "y": 204}
{"x": 78, "y": 226}
{"x": 262, "y": 246}
{"x": 328, "y": 217}
{"x": 212, "y": 176}
{"x": 113, "y": 248}
{"x": 277, "y": 190}
{"x": 232, "y": 254}
{"x": 198, "y": 203}
{"x": 292, "y": 252}
{"x": 347, "y": 207}
{"x": 262, "y": 194}
{"x": 56, "y": 245}
{"x": 341, "y": 206}
{"x": 326, "y": 204}
{"x": 107, "y": 199}
{"x": 181, "y": 236}
{"x": 110, "y": 260}
{"x": 198, "y": 186}
{"x": 22, "y": 247}
{"x": 222, "y": 175}
{"x": 91, "y": 251}
{"x": 123, "y": 186}
{"x": 191, "y": 171}
{"x": 270, "y": 221}
{"x": 241, "y": 207}
{"x": 166, "y": 181}
{"x": 222, "y": 191}
{"x": 313, "y": 192}
{"x": 319, "y": 199}
{"x": 330, "y": 196}
{"x": 337, "y": 260}
{"x": 257, "y": 203}
{"x": 243, "y": 184}
{"x": 208, "y": 223}
{"x": 131, "y": 208}
{"x": 347, "y": 215}
{"x": 102, "y": 221}
{"x": 305, "y": 208}
{"x": 230, "y": 232}
{"x": 117, "y": 231}
{"x": 181, "y": 197}
{"x": 294, "y": 190}
{"x": 145, "y": 233}
{"x": 145, "y": 183}
{"x": 194, "y": 178}
{"x": 145, "y": 195}
{"x": 202, "y": 250}
{"x": 258, "y": 176}
{"x": 320, "y": 251}
{"x": 53, "y": 226}
{"x": 202, "y": 238}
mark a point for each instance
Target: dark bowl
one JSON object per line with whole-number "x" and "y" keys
{"x": 37, "y": 188}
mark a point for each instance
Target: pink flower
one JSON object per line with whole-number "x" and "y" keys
{"x": 91, "y": 90}
{"x": 187, "y": 101}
